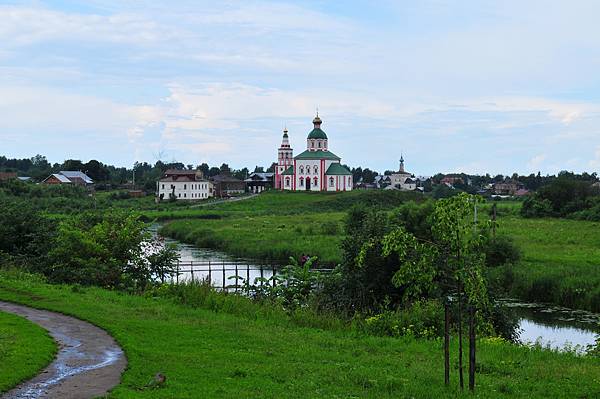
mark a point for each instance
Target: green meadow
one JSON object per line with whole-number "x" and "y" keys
{"x": 560, "y": 262}
{"x": 25, "y": 349}
{"x": 560, "y": 257}
{"x": 226, "y": 346}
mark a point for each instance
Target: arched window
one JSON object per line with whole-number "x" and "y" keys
{"x": 316, "y": 169}
{"x": 301, "y": 170}
{"x": 319, "y": 144}
{"x": 331, "y": 182}
{"x": 312, "y": 144}
{"x": 287, "y": 181}
{"x": 185, "y": 186}
{"x": 315, "y": 181}
{"x": 302, "y": 182}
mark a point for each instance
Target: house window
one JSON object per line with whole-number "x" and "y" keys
{"x": 302, "y": 182}
{"x": 331, "y": 182}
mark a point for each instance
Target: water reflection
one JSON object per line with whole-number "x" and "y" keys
{"x": 554, "y": 326}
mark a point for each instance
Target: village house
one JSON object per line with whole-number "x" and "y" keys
{"x": 316, "y": 169}
{"x": 258, "y": 182}
{"x": 450, "y": 180}
{"x": 187, "y": 185}
{"x": 507, "y": 187}
{"x": 226, "y": 185}
{"x": 77, "y": 178}
{"x": 4, "y": 176}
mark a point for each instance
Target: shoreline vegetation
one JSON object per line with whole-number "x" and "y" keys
{"x": 559, "y": 262}
{"x": 199, "y": 338}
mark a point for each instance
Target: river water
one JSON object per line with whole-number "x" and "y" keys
{"x": 548, "y": 325}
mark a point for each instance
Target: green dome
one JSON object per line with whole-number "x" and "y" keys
{"x": 317, "y": 133}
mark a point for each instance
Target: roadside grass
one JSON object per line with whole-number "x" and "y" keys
{"x": 25, "y": 349}
{"x": 216, "y": 354}
{"x": 560, "y": 264}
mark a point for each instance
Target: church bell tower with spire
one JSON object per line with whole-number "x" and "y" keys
{"x": 285, "y": 159}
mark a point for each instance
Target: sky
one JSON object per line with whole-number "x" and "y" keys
{"x": 468, "y": 86}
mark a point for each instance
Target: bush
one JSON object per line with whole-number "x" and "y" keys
{"x": 500, "y": 251}
{"x": 423, "y": 319}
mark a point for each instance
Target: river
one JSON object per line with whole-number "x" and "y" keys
{"x": 551, "y": 326}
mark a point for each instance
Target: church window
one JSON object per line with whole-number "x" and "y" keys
{"x": 315, "y": 181}
{"x": 302, "y": 182}
{"x": 331, "y": 182}
{"x": 312, "y": 144}
{"x": 287, "y": 182}
{"x": 316, "y": 169}
{"x": 301, "y": 170}
{"x": 319, "y": 144}
{"x": 179, "y": 195}
{"x": 185, "y": 186}
{"x": 163, "y": 186}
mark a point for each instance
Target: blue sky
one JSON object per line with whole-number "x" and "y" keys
{"x": 471, "y": 86}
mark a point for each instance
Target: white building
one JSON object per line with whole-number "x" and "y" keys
{"x": 316, "y": 169}
{"x": 187, "y": 185}
{"x": 402, "y": 180}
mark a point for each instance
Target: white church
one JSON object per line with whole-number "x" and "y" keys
{"x": 316, "y": 169}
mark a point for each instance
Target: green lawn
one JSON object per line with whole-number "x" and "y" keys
{"x": 561, "y": 261}
{"x": 25, "y": 348}
{"x": 208, "y": 354}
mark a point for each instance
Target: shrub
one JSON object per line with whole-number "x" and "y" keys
{"x": 423, "y": 319}
{"x": 500, "y": 251}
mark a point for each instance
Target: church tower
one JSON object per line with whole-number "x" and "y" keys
{"x": 317, "y": 139}
{"x": 285, "y": 159}
{"x": 402, "y": 164}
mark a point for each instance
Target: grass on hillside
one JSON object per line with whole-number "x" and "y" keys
{"x": 268, "y": 238}
{"x": 25, "y": 348}
{"x": 560, "y": 264}
{"x": 264, "y": 354}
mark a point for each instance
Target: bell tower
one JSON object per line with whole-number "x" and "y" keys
{"x": 285, "y": 159}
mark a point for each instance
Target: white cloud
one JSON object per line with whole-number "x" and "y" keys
{"x": 535, "y": 162}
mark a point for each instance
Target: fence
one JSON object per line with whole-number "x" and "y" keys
{"x": 219, "y": 273}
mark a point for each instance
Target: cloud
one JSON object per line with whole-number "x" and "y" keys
{"x": 535, "y": 162}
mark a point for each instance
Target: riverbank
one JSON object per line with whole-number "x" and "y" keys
{"x": 232, "y": 347}
{"x": 25, "y": 349}
{"x": 560, "y": 258}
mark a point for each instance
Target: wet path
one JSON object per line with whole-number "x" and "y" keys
{"x": 88, "y": 363}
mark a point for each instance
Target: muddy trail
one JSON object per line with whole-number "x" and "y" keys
{"x": 88, "y": 364}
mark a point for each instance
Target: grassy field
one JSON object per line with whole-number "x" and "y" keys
{"x": 560, "y": 264}
{"x": 245, "y": 351}
{"x": 274, "y": 226}
{"x": 25, "y": 349}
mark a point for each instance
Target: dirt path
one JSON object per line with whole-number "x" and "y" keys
{"x": 87, "y": 365}
{"x": 233, "y": 199}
